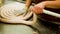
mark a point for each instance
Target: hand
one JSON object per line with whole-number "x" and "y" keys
{"x": 38, "y": 9}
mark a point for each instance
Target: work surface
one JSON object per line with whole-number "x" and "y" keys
{"x": 46, "y": 28}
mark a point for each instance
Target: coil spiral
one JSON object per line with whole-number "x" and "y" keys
{"x": 15, "y": 13}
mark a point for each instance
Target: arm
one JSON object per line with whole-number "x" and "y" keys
{"x": 52, "y": 4}
{"x": 38, "y": 9}
{"x": 28, "y": 2}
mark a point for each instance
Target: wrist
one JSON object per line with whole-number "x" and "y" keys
{"x": 42, "y": 4}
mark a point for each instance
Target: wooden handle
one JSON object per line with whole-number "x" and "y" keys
{"x": 51, "y": 13}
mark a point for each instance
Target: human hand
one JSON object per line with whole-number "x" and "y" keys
{"x": 38, "y": 9}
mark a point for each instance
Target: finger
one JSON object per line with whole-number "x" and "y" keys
{"x": 38, "y": 10}
{"x": 33, "y": 9}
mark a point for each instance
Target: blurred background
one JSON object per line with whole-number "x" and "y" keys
{"x": 45, "y": 26}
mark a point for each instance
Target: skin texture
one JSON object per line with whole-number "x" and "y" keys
{"x": 38, "y": 8}
{"x": 52, "y": 5}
